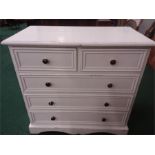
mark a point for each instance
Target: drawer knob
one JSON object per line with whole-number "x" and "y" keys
{"x": 48, "y": 84}
{"x": 104, "y": 119}
{"x": 113, "y": 62}
{"x": 51, "y": 103}
{"x": 110, "y": 85}
{"x": 106, "y": 104}
{"x": 53, "y": 118}
{"x": 45, "y": 61}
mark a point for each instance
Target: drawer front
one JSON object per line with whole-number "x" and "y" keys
{"x": 93, "y": 83}
{"x": 79, "y": 102}
{"x": 75, "y": 117}
{"x": 112, "y": 59}
{"x": 45, "y": 59}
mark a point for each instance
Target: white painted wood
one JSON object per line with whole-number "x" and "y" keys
{"x": 60, "y": 59}
{"x": 79, "y": 71}
{"x": 78, "y": 129}
{"x": 95, "y": 83}
{"x": 98, "y": 102}
{"x": 79, "y": 117}
{"x": 20, "y": 83}
{"x": 99, "y": 59}
{"x": 138, "y": 84}
{"x": 78, "y": 36}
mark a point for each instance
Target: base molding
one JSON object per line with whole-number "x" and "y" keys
{"x": 80, "y": 129}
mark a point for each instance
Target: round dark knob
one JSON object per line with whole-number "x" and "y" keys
{"x": 113, "y": 62}
{"x": 53, "y": 118}
{"x": 51, "y": 103}
{"x": 106, "y": 104}
{"x": 110, "y": 85}
{"x": 48, "y": 84}
{"x": 104, "y": 119}
{"x": 45, "y": 61}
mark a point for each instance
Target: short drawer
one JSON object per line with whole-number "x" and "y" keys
{"x": 105, "y": 102}
{"x": 79, "y": 117}
{"x": 82, "y": 83}
{"x": 112, "y": 59}
{"x": 54, "y": 59}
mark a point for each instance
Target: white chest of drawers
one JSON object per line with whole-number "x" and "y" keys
{"x": 79, "y": 80}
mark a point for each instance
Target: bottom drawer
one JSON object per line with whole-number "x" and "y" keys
{"x": 78, "y": 117}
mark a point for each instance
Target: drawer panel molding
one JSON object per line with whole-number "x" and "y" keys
{"x": 90, "y": 101}
{"x": 44, "y": 59}
{"x": 79, "y": 117}
{"x": 75, "y": 83}
{"x": 111, "y": 59}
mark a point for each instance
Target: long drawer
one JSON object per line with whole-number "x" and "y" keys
{"x": 53, "y": 59}
{"x": 75, "y": 117}
{"x": 81, "y": 83}
{"x": 111, "y": 59}
{"x": 89, "y": 101}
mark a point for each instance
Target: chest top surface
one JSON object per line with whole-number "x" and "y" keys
{"x": 78, "y": 36}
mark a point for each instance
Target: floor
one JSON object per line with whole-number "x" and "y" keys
{"x": 14, "y": 119}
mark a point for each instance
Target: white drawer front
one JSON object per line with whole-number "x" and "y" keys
{"x": 75, "y": 117}
{"x": 45, "y": 59}
{"x": 79, "y": 102}
{"x": 112, "y": 59}
{"x": 79, "y": 83}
